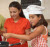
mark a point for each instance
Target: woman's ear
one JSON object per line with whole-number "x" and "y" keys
{"x": 19, "y": 11}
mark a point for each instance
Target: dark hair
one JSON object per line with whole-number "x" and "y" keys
{"x": 18, "y": 6}
{"x": 42, "y": 21}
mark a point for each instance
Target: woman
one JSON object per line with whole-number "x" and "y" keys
{"x": 17, "y": 24}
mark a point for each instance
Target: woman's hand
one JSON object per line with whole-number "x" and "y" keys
{"x": 1, "y": 32}
{"x": 4, "y": 39}
{"x": 7, "y": 35}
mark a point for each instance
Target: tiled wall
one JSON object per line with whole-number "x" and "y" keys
{"x": 46, "y": 4}
{"x": 48, "y": 20}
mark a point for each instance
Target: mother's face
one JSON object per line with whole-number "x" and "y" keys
{"x": 14, "y": 12}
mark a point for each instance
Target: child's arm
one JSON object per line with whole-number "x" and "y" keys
{"x": 38, "y": 31}
{"x": 27, "y": 32}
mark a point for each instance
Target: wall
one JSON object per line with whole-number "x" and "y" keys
{"x": 4, "y": 10}
{"x": 46, "y": 4}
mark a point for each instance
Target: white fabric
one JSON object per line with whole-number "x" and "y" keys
{"x": 34, "y": 9}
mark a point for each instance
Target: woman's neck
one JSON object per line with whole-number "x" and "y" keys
{"x": 15, "y": 20}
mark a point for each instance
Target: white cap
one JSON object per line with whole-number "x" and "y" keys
{"x": 34, "y": 9}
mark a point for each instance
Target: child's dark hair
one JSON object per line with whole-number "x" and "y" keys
{"x": 42, "y": 21}
{"x": 18, "y": 6}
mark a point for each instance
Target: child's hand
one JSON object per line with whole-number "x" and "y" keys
{"x": 22, "y": 41}
{"x": 7, "y": 35}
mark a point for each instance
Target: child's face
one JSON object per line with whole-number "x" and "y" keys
{"x": 34, "y": 19}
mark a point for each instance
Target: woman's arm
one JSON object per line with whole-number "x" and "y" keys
{"x": 5, "y": 30}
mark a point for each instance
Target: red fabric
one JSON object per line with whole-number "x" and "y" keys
{"x": 0, "y": 38}
{"x": 17, "y": 28}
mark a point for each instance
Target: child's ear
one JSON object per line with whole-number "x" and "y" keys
{"x": 39, "y": 17}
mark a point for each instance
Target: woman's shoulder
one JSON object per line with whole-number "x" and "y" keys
{"x": 24, "y": 19}
{"x": 8, "y": 19}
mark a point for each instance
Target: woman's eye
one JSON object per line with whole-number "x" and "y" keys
{"x": 14, "y": 12}
{"x": 10, "y": 12}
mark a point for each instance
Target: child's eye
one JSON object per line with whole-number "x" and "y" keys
{"x": 32, "y": 17}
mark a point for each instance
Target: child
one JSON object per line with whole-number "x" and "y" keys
{"x": 38, "y": 23}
